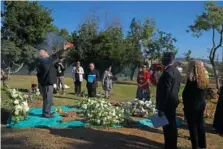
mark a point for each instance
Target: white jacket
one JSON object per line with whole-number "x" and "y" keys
{"x": 81, "y": 73}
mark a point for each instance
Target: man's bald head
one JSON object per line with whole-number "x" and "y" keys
{"x": 43, "y": 53}
{"x": 91, "y": 66}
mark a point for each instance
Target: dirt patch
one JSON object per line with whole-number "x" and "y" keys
{"x": 36, "y": 103}
{"x": 88, "y": 138}
{"x": 71, "y": 116}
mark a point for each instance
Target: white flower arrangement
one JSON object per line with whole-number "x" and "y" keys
{"x": 20, "y": 104}
{"x": 140, "y": 108}
{"x": 101, "y": 112}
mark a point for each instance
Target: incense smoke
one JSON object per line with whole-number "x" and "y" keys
{"x": 52, "y": 43}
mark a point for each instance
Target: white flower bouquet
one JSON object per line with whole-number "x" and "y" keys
{"x": 100, "y": 112}
{"x": 140, "y": 108}
{"x": 20, "y": 104}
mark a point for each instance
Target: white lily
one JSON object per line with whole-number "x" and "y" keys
{"x": 16, "y": 102}
{"x": 16, "y": 112}
{"x": 26, "y": 96}
{"x": 18, "y": 107}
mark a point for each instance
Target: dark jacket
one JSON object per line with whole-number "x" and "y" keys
{"x": 218, "y": 118}
{"x": 46, "y": 72}
{"x": 95, "y": 82}
{"x": 60, "y": 67}
{"x": 168, "y": 88}
{"x": 193, "y": 97}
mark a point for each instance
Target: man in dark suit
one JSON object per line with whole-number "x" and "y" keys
{"x": 167, "y": 98}
{"x": 92, "y": 84}
{"x": 47, "y": 77}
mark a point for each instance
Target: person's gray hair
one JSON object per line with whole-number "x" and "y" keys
{"x": 91, "y": 64}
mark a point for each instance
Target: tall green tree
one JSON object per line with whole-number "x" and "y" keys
{"x": 111, "y": 49}
{"x": 65, "y": 34}
{"x": 188, "y": 55}
{"x": 161, "y": 42}
{"x": 24, "y": 24}
{"x": 138, "y": 32}
{"x": 82, "y": 38}
{"x": 104, "y": 48}
{"x": 211, "y": 20}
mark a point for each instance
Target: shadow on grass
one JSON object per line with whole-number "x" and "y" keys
{"x": 9, "y": 141}
{"x": 65, "y": 97}
{"x": 98, "y": 139}
{"x": 23, "y": 90}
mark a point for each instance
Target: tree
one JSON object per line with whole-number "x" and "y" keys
{"x": 82, "y": 38}
{"x": 65, "y": 34}
{"x": 161, "y": 42}
{"x": 10, "y": 62}
{"x": 188, "y": 55}
{"x": 104, "y": 48}
{"x": 138, "y": 32}
{"x": 24, "y": 25}
{"x": 111, "y": 49}
{"x": 210, "y": 20}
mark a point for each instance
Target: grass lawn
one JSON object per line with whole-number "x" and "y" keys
{"x": 86, "y": 138}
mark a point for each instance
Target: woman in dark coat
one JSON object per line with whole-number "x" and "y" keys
{"x": 218, "y": 118}
{"x": 194, "y": 103}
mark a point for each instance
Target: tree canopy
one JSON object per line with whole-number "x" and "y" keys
{"x": 27, "y": 24}
{"x": 24, "y": 25}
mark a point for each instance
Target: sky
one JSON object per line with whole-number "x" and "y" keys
{"x": 171, "y": 17}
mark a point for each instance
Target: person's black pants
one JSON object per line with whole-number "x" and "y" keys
{"x": 170, "y": 130}
{"x": 196, "y": 127}
{"x": 91, "y": 91}
{"x": 77, "y": 87}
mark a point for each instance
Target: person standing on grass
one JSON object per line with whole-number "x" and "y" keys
{"x": 107, "y": 81}
{"x": 47, "y": 77}
{"x": 78, "y": 73}
{"x": 195, "y": 103}
{"x": 167, "y": 98}
{"x": 143, "y": 77}
{"x": 60, "y": 75}
{"x": 92, "y": 78}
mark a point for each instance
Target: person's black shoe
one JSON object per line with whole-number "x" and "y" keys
{"x": 47, "y": 116}
{"x": 52, "y": 113}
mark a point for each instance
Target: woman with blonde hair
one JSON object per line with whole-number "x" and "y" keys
{"x": 194, "y": 102}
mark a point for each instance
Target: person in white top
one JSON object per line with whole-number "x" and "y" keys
{"x": 78, "y": 73}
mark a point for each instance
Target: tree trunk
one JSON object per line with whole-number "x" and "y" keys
{"x": 215, "y": 74}
{"x": 132, "y": 72}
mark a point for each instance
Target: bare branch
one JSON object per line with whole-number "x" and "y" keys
{"x": 211, "y": 56}
{"x": 220, "y": 42}
{"x": 213, "y": 36}
{"x": 15, "y": 64}
{"x": 19, "y": 67}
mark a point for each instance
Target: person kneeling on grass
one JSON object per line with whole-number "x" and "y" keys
{"x": 143, "y": 91}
